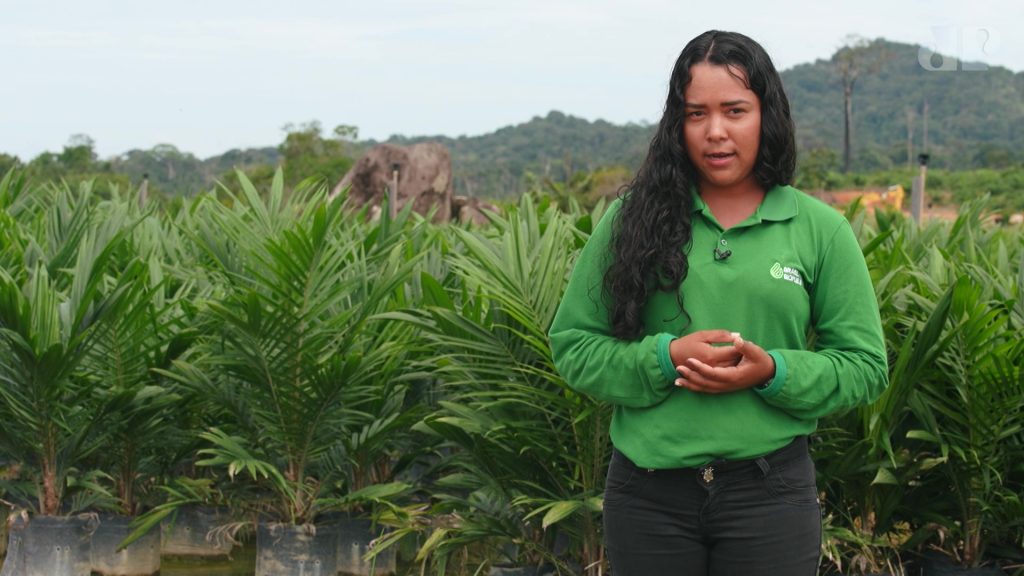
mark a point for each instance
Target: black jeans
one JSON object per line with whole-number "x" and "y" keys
{"x": 749, "y": 517}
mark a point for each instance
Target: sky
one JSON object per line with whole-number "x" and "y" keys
{"x": 214, "y": 75}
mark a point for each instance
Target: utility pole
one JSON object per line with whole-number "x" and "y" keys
{"x": 924, "y": 143}
{"x": 918, "y": 188}
{"x": 393, "y": 191}
{"x": 144, "y": 191}
{"x": 848, "y": 123}
{"x": 910, "y": 138}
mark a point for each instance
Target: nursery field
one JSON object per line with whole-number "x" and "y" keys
{"x": 284, "y": 359}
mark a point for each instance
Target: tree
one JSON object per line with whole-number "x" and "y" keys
{"x": 7, "y": 162}
{"x": 77, "y": 162}
{"x": 79, "y": 154}
{"x": 307, "y": 154}
{"x": 993, "y": 156}
{"x": 814, "y": 168}
{"x": 169, "y": 170}
{"x": 857, "y": 57}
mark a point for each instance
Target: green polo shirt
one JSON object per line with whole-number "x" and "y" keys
{"x": 794, "y": 266}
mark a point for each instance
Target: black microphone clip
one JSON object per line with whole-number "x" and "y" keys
{"x": 722, "y": 255}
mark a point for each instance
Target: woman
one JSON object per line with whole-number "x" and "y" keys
{"x": 689, "y": 311}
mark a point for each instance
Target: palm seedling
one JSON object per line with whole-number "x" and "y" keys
{"x": 288, "y": 352}
{"x": 525, "y": 460}
{"x": 969, "y": 409}
{"x": 54, "y": 306}
{"x": 865, "y": 463}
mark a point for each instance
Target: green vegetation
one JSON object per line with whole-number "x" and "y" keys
{"x": 289, "y": 329}
{"x": 77, "y": 162}
{"x": 484, "y": 322}
{"x": 171, "y": 172}
{"x": 974, "y": 117}
{"x": 257, "y": 345}
{"x": 944, "y": 187}
{"x": 280, "y": 353}
{"x": 557, "y": 146}
{"x": 936, "y": 461}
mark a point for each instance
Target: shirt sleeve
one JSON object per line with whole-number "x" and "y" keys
{"x": 634, "y": 373}
{"x": 848, "y": 366}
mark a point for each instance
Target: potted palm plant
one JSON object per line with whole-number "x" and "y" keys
{"x": 141, "y": 423}
{"x": 966, "y": 423}
{"x": 285, "y": 353}
{"x": 130, "y": 439}
{"x": 55, "y": 300}
{"x": 378, "y": 449}
{"x": 866, "y": 465}
{"x": 186, "y": 502}
{"x": 520, "y": 487}
{"x": 972, "y": 416}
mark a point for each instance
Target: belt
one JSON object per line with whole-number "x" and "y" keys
{"x": 756, "y": 466}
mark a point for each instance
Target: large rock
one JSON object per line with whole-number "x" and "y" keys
{"x": 467, "y": 210}
{"x": 424, "y": 178}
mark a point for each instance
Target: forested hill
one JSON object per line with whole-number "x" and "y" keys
{"x": 555, "y": 146}
{"x": 975, "y": 119}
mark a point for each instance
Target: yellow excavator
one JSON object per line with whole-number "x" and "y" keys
{"x": 891, "y": 197}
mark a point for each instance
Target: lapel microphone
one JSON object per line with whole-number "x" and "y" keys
{"x": 722, "y": 255}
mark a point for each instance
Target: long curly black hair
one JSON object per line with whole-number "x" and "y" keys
{"x": 652, "y": 231}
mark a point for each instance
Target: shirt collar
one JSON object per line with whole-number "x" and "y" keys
{"x": 780, "y": 203}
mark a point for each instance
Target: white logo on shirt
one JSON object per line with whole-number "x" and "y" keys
{"x": 780, "y": 272}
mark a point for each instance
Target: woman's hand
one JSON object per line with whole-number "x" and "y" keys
{"x": 755, "y": 367}
{"x": 701, "y": 345}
